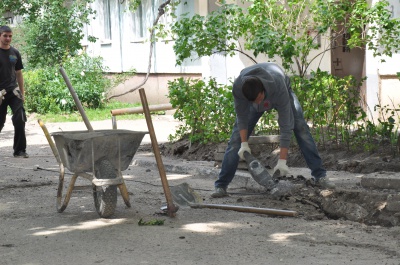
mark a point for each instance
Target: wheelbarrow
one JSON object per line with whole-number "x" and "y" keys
{"x": 99, "y": 156}
{"x": 104, "y": 153}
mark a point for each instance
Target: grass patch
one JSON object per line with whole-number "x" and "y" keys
{"x": 93, "y": 114}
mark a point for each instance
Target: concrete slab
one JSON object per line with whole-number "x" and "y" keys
{"x": 381, "y": 180}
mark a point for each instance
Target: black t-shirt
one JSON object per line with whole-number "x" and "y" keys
{"x": 10, "y": 62}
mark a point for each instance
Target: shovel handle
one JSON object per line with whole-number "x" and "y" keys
{"x": 76, "y": 99}
{"x": 171, "y": 208}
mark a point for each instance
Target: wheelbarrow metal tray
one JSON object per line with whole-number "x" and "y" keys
{"x": 79, "y": 150}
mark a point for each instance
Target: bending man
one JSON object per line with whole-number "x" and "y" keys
{"x": 259, "y": 88}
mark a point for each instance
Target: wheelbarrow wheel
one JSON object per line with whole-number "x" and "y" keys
{"x": 105, "y": 197}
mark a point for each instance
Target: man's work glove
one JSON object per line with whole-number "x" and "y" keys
{"x": 18, "y": 93}
{"x": 2, "y": 94}
{"x": 244, "y": 147}
{"x": 282, "y": 167}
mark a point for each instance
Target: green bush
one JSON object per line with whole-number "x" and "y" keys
{"x": 206, "y": 108}
{"x": 46, "y": 90}
{"x": 208, "y": 112}
{"x": 338, "y": 115}
{"x": 331, "y": 105}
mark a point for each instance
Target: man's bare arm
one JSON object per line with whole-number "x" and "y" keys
{"x": 20, "y": 80}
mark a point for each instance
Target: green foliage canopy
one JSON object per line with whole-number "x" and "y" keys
{"x": 52, "y": 29}
{"x": 206, "y": 108}
{"x": 46, "y": 90}
{"x": 282, "y": 28}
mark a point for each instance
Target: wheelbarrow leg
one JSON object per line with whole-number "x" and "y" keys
{"x": 61, "y": 207}
{"x": 124, "y": 191}
{"x": 124, "y": 194}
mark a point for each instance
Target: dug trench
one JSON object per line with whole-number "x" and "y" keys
{"x": 353, "y": 199}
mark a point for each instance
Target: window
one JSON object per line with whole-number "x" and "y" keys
{"x": 105, "y": 12}
{"x": 138, "y": 25}
{"x": 143, "y": 18}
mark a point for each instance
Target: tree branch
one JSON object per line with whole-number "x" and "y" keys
{"x": 239, "y": 51}
{"x": 161, "y": 12}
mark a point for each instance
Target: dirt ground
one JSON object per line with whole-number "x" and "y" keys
{"x": 333, "y": 159}
{"x": 350, "y": 201}
{"x": 32, "y": 232}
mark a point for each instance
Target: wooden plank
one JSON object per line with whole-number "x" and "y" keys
{"x": 159, "y": 107}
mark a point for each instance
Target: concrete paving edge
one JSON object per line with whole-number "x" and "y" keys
{"x": 201, "y": 168}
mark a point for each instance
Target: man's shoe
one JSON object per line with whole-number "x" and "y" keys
{"x": 21, "y": 154}
{"x": 219, "y": 193}
{"x": 325, "y": 183}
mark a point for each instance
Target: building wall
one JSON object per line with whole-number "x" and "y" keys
{"x": 383, "y": 85}
{"x": 156, "y": 87}
{"x": 124, "y": 50}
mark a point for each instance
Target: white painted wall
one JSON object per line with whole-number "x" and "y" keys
{"x": 383, "y": 85}
{"x": 124, "y": 53}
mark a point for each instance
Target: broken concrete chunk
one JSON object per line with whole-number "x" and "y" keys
{"x": 340, "y": 209}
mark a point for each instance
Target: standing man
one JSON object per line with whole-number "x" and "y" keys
{"x": 259, "y": 88}
{"x": 12, "y": 90}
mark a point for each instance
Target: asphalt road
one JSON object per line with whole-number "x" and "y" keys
{"x": 32, "y": 232}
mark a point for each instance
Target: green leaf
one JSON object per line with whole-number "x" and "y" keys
{"x": 151, "y": 222}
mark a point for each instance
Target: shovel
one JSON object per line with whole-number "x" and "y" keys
{"x": 185, "y": 196}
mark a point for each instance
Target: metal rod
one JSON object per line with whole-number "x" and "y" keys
{"x": 245, "y": 209}
{"x": 76, "y": 99}
{"x": 171, "y": 208}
